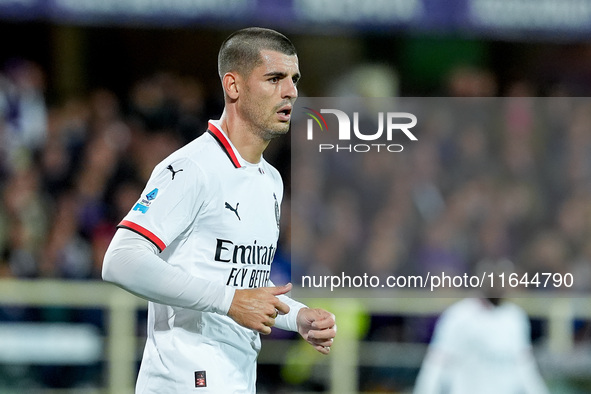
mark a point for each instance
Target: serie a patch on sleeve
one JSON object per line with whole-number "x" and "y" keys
{"x": 144, "y": 204}
{"x": 200, "y": 380}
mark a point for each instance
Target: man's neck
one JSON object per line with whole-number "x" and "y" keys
{"x": 247, "y": 142}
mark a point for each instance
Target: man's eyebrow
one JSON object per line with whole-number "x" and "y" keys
{"x": 281, "y": 74}
{"x": 276, "y": 74}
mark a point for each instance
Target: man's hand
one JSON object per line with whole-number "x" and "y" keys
{"x": 317, "y": 327}
{"x": 258, "y": 308}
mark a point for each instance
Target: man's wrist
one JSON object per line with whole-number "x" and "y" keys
{"x": 226, "y": 300}
{"x": 290, "y": 321}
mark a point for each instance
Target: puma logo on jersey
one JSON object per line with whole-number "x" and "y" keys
{"x": 173, "y": 171}
{"x": 235, "y": 210}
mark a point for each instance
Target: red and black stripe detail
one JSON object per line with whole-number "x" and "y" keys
{"x": 150, "y": 236}
{"x": 224, "y": 144}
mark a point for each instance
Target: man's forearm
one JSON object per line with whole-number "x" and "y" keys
{"x": 132, "y": 263}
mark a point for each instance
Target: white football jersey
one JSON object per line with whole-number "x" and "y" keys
{"x": 480, "y": 349}
{"x": 216, "y": 216}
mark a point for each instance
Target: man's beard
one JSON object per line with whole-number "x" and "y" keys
{"x": 269, "y": 135}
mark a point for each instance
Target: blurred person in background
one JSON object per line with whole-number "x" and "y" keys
{"x": 481, "y": 346}
{"x": 23, "y": 114}
{"x": 212, "y": 202}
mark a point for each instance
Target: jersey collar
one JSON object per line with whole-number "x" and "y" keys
{"x": 216, "y": 132}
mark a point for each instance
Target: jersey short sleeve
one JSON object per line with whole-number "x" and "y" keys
{"x": 169, "y": 203}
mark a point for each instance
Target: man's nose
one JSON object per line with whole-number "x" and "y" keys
{"x": 289, "y": 89}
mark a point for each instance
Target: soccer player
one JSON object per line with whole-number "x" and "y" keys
{"x": 480, "y": 346}
{"x": 200, "y": 241}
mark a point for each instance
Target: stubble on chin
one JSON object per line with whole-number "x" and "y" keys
{"x": 269, "y": 135}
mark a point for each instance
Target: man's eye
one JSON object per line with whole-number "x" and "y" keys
{"x": 274, "y": 80}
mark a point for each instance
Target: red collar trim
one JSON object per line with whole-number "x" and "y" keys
{"x": 224, "y": 143}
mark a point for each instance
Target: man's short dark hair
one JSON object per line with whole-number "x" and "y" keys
{"x": 240, "y": 52}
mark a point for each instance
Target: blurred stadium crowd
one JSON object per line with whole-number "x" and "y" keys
{"x": 69, "y": 172}
{"x": 496, "y": 185}
{"x": 487, "y": 181}
{"x": 516, "y": 187}
{"x": 490, "y": 185}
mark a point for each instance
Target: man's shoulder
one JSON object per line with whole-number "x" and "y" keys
{"x": 268, "y": 167}
{"x": 193, "y": 158}
{"x": 273, "y": 172}
{"x": 466, "y": 308}
{"x": 202, "y": 152}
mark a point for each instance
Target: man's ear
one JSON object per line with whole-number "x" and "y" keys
{"x": 230, "y": 83}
